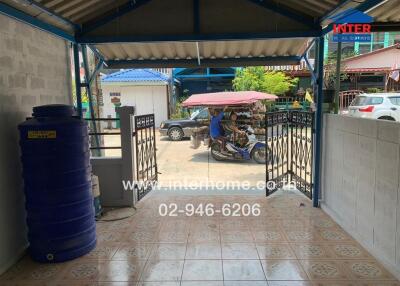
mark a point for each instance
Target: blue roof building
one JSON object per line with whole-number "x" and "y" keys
{"x": 136, "y": 76}
{"x": 145, "y": 89}
{"x": 190, "y": 81}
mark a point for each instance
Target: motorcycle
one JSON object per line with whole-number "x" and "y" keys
{"x": 253, "y": 149}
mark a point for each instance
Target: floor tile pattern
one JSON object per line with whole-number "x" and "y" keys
{"x": 289, "y": 244}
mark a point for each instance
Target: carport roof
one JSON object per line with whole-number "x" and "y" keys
{"x": 159, "y": 33}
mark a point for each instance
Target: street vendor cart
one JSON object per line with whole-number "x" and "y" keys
{"x": 242, "y": 121}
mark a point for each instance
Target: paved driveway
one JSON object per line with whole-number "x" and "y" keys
{"x": 180, "y": 164}
{"x": 177, "y": 161}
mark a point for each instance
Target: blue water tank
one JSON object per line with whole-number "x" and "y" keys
{"x": 57, "y": 183}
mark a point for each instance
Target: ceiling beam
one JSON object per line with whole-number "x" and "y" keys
{"x": 51, "y": 3}
{"x": 188, "y": 63}
{"x": 50, "y": 12}
{"x": 287, "y": 12}
{"x": 196, "y": 16}
{"x": 110, "y": 16}
{"x": 369, "y": 5}
{"x": 385, "y": 27}
{"x": 32, "y": 21}
{"x": 82, "y": 15}
{"x": 335, "y": 10}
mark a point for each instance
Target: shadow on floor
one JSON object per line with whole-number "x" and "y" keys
{"x": 205, "y": 156}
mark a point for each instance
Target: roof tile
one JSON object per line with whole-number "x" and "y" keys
{"x": 135, "y": 75}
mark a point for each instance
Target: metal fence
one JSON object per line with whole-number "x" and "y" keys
{"x": 95, "y": 137}
{"x": 346, "y": 97}
{"x": 145, "y": 150}
{"x": 290, "y": 142}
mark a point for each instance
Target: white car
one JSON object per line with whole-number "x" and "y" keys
{"x": 384, "y": 106}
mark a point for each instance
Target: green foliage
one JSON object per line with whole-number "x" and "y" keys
{"x": 374, "y": 90}
{"x": 84, "y": 95}
{"x": 330, "y": 69}
{"x": 257, "y": 79}
{"x": 180, "y": 112}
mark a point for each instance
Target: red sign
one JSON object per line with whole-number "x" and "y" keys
{"x": 351, "y": 28}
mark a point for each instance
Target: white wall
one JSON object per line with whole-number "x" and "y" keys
{"x": 146, "y": 99}
{"x": 361, "y": 182}
{"x": 34, "y": 70}
{"x": 109, "y": 171}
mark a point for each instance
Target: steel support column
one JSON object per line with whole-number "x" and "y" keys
{"x": 318, "y": 121}
{"x": 337, "y": 82}
{"x": 312, "y": 70}
{"x": 90, "y": 95}
{"x": 96, "y": 71}
{"x": 78, "y": 89}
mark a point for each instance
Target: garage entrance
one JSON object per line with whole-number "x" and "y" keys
{"x": 289, "y": 147}
{"x": 289, "y": 242}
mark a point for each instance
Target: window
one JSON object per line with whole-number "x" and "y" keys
{"x": 377, "y": 46}
{"x": 114, "y": 94}
{"x": 379, "y": 37}
{"x": 348, "y": 51}
{"x": 396, "y": 38}
{"x": 203, "y": 114}
{"x": 366, "y": 100}
{"x": 395, "y": 100}
{"x": 364, "y": 48}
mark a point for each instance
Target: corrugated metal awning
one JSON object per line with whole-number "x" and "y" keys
{"x": 217, "y": 53}
{"x": 166, "y": 33}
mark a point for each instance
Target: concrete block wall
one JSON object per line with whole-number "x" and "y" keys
{"x": 34, "y": 70}
{"x": 361, "y": 182}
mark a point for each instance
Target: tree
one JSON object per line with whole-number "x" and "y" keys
{"x": 330, "y": 69}
{"x": 257, "y": 79}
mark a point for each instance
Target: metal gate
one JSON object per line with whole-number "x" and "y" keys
{"x": 146, "y": 160}
{"x": 289, "y": 140}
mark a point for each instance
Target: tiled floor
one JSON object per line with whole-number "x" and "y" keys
{"x": 287, "y": 245}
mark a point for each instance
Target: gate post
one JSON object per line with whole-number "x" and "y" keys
{"x": 318, "y": 122}
{"x": 78, "y": 83}
{"x": 127, "y": 152}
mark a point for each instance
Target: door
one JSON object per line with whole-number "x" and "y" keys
{"x": 159, "y": 104}
{"x": 395, "y": 107}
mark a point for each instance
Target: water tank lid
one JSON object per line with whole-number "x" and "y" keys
{"x": 53, "y": 110}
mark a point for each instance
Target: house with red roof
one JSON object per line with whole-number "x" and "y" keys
{"x": 372, "y": 70}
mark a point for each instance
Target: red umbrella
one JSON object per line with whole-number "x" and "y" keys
{"x": 227, "y": 98}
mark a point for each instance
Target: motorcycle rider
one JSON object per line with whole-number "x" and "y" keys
{"x": 218, "y": 133}
{"x": 216, "y": 130}
{"x": 223, "y": 132}
{"x": 231, "y": 127}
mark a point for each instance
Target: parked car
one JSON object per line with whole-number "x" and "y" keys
{"x": 177, "y": 129}
{"x": 384, "y": 106}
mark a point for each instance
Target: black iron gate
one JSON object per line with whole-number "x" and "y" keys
{"x": 289, "y": 140}
{"x": 145, "y": 150}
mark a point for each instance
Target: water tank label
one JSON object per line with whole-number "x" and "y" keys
{"x": 42, "y": 134}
